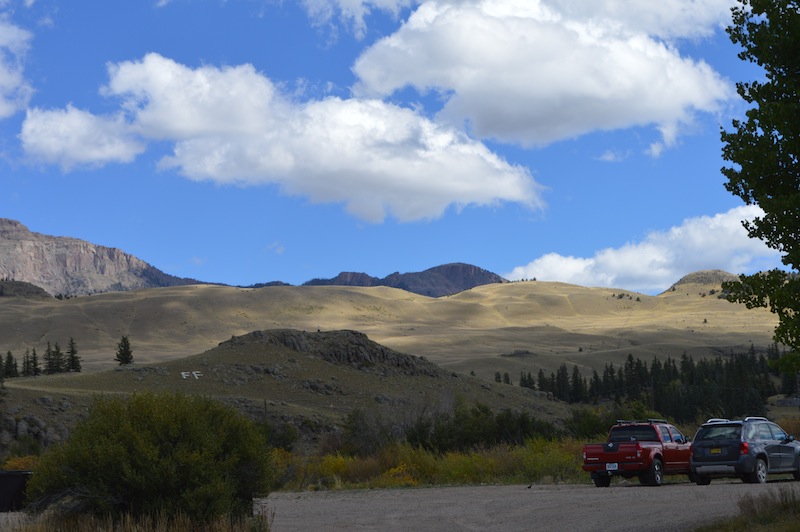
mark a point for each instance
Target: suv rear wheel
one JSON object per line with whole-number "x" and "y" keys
{"x": 759, "y": 474}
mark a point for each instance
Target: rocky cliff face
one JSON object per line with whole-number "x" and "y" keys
{"x": 70, "y": 266}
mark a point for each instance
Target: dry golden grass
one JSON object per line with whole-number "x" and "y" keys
{"x": 553, "y": 322}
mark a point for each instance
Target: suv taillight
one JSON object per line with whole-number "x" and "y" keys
{"x": 744, "y": 448}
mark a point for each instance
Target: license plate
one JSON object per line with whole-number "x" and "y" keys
{"x": 716, "y": 450}
{"x": 612, "y": 467}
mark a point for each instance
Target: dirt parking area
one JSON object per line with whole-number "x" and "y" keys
{"x": 624, "y": 507}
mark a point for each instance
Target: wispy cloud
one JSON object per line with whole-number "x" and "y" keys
{"x": 15, "y": 89}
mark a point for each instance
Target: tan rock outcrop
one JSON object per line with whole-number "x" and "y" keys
{"x": 69, "y": 266}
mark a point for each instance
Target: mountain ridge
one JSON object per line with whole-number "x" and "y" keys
{"x": 66, "y": 266}
{"x": 444, "y": 280}
{"x": 70, "y": 267}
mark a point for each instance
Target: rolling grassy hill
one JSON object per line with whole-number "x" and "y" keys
{"x": 509, "y": 327}
{"x": 469, "y": 331}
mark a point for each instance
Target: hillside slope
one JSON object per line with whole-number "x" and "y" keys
{"x": 309, "y": 355}
{"x": 474, "y": 330}
{"x": 309, "y": 380}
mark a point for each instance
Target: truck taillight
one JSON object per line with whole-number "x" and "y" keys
{"x": 584, "y": 456}
{"x": 744, "y": 448}
{"x": 638, "y": 450}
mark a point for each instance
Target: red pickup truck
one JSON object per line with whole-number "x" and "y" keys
{"x": 648, "y": 449}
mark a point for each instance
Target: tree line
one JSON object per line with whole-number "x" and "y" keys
{"x": 55, "y": 360}
{"x": 683, "y": 389}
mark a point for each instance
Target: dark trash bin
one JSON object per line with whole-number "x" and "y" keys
{"x": 12, "y": 489}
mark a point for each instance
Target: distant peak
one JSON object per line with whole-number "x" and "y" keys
{"x": 438, "y": 281}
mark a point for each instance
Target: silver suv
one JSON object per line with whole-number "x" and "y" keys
{"x": 749, "y": 449}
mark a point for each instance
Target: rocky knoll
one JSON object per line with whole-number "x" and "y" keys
{"x": 20, "y": 289}
{"x": 69, "y": 266}
{"x": 707, "y": 277}
{"x": 345, "y": 347}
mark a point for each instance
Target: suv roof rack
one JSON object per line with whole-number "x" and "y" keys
{"x": 755, "y": 418}
{"x": 718, "y": 420}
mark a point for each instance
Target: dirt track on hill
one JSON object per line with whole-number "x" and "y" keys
{"x": 672, "y": 506}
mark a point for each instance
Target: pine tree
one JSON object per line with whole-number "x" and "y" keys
{"x": 48, "y": 359}
{"x": 124, "y": 352}
{"x": 577, "y": 388}
{"x": 73, "y": 360}
{"x": 10, "y": 369}
{"x": 561, "y": 388}
{"x": 35, "y": 369}
{"x": 542, "y": 382}
{"x": 59, "y": 363}
{"x": 26, "y": 363}
{"x": 595, "y": 387}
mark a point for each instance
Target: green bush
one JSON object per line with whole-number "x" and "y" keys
{"x": 165, "y": 454}
{"x": 475, "y": 427}
{"x": 595, "y": 422}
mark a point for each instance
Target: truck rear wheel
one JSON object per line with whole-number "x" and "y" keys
{"x": 702, "y": 480}
{"x": 655, "y": 475}
{"x": 602, "y": 481}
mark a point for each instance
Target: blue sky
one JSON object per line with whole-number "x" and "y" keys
{"x": 247, "y": 141}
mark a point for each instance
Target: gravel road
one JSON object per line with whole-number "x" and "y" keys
{"x": 623, "y": 507}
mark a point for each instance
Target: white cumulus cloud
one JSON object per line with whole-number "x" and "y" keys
{"x": 665, "y": 19}
{"x": 232, "y": 125}
{"x": 534, "y": 72}
{"x": 663, "y": 257}
{"x": 73, "y": 137}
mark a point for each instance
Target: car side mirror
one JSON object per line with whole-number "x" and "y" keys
{"x": 788, "y": 439}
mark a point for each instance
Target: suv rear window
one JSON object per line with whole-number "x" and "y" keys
{"x": 633, "y": 433}
{"x": 719, "y": 432}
